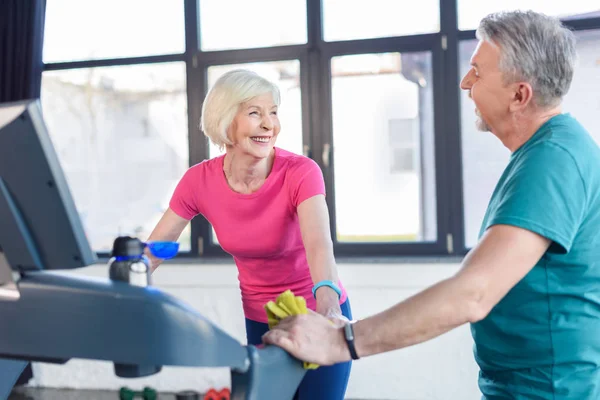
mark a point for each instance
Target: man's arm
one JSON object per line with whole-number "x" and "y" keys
{"x": 504, "y": 255}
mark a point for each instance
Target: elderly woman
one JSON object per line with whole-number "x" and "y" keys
{"x": 268, "y": 208}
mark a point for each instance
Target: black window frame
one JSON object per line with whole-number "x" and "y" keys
{"x": 315, "y": 80}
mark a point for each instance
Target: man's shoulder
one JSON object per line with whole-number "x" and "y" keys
{"x": 567, "y": 145}
{"x": 542, "y": 157}
{"x": 571, "y": 136}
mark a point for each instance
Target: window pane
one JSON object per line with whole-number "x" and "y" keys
{"x": 286, "y": 75}
{"x": 122, "y": 138}
{"x": 234, "y": 24}
{"x": 89, "y": 30}
{"x": 355, "y": 19}
{"x": 470, "y": 12}
{"x": 484, "y": 157}
{"x": 383, "y": 145}
{"x": 583, "y": 99}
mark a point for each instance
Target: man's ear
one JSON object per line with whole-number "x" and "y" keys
{"x": 522, "y": 96}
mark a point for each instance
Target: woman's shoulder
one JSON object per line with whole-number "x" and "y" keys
{"x": 204, "y": 172}
{"x": 210, "y": 166}
{"x": 294, "y": 162}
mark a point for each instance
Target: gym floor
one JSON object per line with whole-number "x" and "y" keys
{"x": 25, "y": 393}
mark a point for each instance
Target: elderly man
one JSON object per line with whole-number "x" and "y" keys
{"x": 531, "y": 286}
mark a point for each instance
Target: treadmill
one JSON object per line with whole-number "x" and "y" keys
{"x": 50, "y": 316}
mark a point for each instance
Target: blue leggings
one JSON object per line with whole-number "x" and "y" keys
{"x": 323, "y": 383}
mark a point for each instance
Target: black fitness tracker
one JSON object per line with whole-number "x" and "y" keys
{"x": 349, "y": 336}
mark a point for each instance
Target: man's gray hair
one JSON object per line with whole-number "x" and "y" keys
{"x": 534, "y": 48}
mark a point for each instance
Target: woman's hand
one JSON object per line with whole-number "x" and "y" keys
{"x": 328, "y": 305}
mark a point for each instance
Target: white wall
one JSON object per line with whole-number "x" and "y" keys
{"x": 440, "y": 369}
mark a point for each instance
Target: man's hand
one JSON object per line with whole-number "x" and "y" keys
{"x": 310, "y": 337}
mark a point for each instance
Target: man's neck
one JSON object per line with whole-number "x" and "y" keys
{"x": 522, "y": 127}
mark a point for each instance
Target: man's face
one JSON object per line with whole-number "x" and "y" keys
{"x": 486, "y": 87}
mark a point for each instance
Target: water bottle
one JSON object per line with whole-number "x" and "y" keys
{"x": 128, "y": 262}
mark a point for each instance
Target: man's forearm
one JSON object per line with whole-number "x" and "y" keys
{"x": 424, "y": 316}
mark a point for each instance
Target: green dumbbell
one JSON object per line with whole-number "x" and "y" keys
{"x": 147, "y": 394}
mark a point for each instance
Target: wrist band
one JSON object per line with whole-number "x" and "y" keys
{"x": 327, "y": 283}
{"x": 349, "y": 336}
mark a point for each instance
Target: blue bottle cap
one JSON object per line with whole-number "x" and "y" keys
{"x": 164, "y": 250}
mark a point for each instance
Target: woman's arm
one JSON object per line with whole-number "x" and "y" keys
{"x": 169, "y": 228}
{"x": 314, "y": 225}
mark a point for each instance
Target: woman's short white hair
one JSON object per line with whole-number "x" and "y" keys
{"x": 224, "y": 99}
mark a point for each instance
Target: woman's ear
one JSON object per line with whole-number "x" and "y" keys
{"x": 231, "y": 129}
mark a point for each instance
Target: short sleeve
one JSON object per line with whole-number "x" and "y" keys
{"x": 306, "y": 181}
{"x": 184, "y": 200}
{"x": 545, "y": 194}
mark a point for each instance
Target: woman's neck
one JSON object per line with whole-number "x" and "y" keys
{"x": 244, "y": 173}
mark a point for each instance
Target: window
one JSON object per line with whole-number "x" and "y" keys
{"x": 234, "y": 24}
{"x": 359, "y": 82}
{"x": 122, "y": 139}
{"x": 583, "y": 99}
{"x": 90, "y": 30}
{"x": 404, "y": 145}
{"x": 382, "y": 112}
{"x": 357, "y": 19}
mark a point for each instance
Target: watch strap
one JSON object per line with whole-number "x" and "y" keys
{"x": 349, "y": 336}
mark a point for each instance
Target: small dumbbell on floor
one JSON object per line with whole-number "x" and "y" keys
{"x": 212, "y": 394}
{"x": 187, "y": 395}
{"x": 147, "y": 394}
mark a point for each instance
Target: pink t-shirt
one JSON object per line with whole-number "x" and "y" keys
{"x": 260, "y": 230}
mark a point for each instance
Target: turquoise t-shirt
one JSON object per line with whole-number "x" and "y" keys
{"x": 542, "y": 341}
